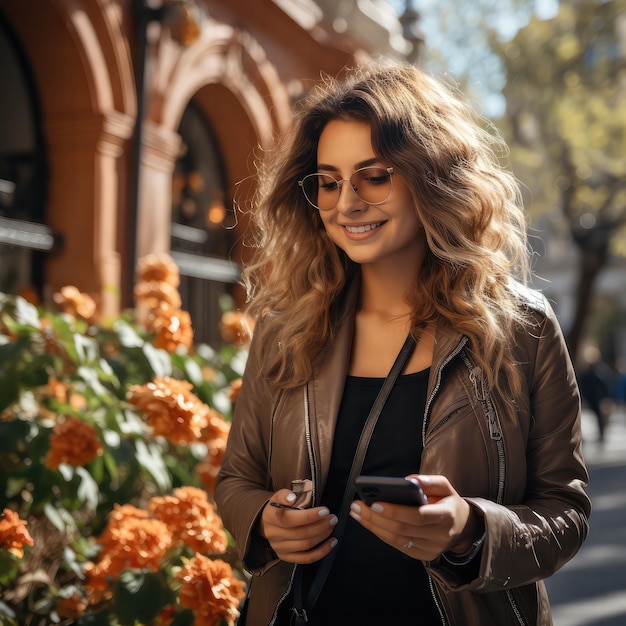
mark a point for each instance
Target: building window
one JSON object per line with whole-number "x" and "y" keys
{"x": 202, "y": 227}
{"x": 23, "y": 234}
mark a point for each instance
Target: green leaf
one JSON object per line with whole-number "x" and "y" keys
{"x": 60, "y": 518}
{"x": 111, "y": 465}
{"x": 193, "y": 372}
{"x": 127, "y": 335}
{"x": 159, "y": 360}
{"x": 25, "y": 313}
{"x": 71, "y": 562}
{"x": 54, "y": 517}
{"x": 139, "y": 596}
{"x": 90, "y": 376}
{"x": 88, "y": 491}
{"x": 151, "y": 458}
{"x": 9, "y": 567}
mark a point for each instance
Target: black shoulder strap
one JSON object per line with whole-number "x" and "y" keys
{"x": 300, "y": 615}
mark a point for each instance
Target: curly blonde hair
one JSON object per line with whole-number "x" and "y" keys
{"x": 469, "y": 206}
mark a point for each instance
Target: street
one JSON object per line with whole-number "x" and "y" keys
{"x": 591, "y": 589}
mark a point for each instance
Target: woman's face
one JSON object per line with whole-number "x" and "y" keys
{"x": 389, "y": 233}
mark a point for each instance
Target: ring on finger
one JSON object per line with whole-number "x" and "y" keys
{"x": 409, "y": 543}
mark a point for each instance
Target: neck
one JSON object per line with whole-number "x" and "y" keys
{"x": 384, "y": 294}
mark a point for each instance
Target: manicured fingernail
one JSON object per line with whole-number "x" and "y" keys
{"x": 355, "y": 516}
{"x": 291, "y": 497}
{"x": 355, "y": 508}
{"x": 377, "y": 507}
{"x": 323, "y": 512}
{"x": 333, "y": 520}
{"x": 333, "y": 543}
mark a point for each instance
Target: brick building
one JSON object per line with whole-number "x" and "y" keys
{"x": 127, "y": 127}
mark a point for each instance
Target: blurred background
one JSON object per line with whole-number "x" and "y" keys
{"x": 132, "y": 127}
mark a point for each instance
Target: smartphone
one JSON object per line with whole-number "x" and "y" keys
{"x": 396, "y": 490}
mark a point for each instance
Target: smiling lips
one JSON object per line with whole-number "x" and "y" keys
{"x": 362, "y": 229}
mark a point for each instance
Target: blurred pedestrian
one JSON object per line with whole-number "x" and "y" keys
{"x": 619, "y": 388}
{"x": 596, "y": 387}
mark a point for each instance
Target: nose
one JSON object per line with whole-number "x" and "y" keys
{"x": 348, "y": 198}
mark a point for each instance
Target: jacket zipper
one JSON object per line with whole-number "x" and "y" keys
{"x": 493, "y": 421}
{"x": 429, "y": 401}
{"x": 495, "y": 432}
{"x": 449, "y": 358}
{"x": 309, "y": 445}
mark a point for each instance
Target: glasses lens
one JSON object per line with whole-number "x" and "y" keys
{"x": 372, "y": 184}
{"x": 321, "y": 190}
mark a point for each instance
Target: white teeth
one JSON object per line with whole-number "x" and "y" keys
{"x": 362, "y": 229}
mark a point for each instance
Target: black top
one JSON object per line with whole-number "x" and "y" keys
{"x": 371, "y": 582}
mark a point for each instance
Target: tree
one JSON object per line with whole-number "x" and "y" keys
{"x": 566, "y": 121}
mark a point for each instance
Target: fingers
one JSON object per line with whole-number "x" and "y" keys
{"x": 421, "y": 532}
{"x": 308, "y": 556}
{"x": 435, "y": 487}
{"x": 385, "y": 521}
{"x": 298, "y": 535}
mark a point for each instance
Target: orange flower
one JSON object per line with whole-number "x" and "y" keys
{"x": 171, "y": 410}
{"x": 215, "y": 436}
{"x": 132, "y": 539}
{"x": 216, "y": 428}
{"x": 191, "y": 519}
{"x": 207, "y": 472}
{"x": 236, "y": 328}
{"x": 166, "y": 616}
{"x": 73, "y": 441}
{"x": 172, "y": 328}
{"x": 159, "y": 268}
{"x": 210, "y": 590}
{"x": 235, "y": 388}
{"x": 75, "y": 303}
{"x": 13, "y": 533}
{"x": 72, "y": 606}
{"x": 57, "y": 389}
{"x": 155, "y": 294}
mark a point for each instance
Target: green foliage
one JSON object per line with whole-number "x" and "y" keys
{"x": 66, "y": 508}
{"x": 566, "y": 116}
{"x": 566, "y": 125}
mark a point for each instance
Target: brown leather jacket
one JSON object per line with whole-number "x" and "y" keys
{"x": 518, "y": 460}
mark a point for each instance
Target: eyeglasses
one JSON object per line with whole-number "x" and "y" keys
{"x": 373, "y": 185}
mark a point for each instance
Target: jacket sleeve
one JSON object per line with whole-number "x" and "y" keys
{"x": 528, "y": 542}
{"x": 242, "y": 488}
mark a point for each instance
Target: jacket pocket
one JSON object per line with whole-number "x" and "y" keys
{"x": 447, "y": 415}
{"x": 524, "y": 605}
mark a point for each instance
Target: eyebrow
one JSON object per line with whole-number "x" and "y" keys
{"x": 359, "y": 165}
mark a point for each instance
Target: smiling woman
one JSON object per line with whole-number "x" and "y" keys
{"x": 372, "y": 219}
{"x": 395, "y": 337}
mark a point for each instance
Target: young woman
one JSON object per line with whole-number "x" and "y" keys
{"x": 384, "y": 213}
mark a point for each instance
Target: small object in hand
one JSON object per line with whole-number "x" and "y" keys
{"x": 302, "y": 489}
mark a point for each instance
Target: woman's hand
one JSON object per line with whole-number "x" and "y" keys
{"x": 297, "y": 535}
{"x": 446, "y": 523}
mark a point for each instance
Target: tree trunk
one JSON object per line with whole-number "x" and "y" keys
{"x": 593, "y": 258}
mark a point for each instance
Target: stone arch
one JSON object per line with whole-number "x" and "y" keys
{"x": 237, "y": 61}
{"x": 227, "y": 73}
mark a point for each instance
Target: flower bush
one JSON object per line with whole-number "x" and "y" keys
{"x": 111, "y": 437}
